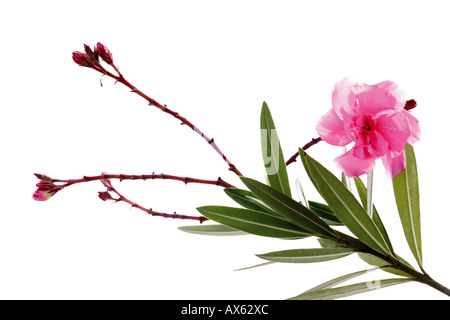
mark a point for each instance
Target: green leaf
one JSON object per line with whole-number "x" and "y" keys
{"x": 255, "y": 222}
{"x": 362, "y": 191}
{"x": 290, "y": 209}
{"x": 272, "y": 154}
{"x": 345, "y": 180}
{"x": 324, "y": 211}
{"x": 344, "y": 205}
{"x": 255, "y": 266}
{"x": 306, "y": 255}
{"x": 333, "y": 282}
{"x": 349, "y": 290}
{"x": 375, "y": 261}
{"x": 212, "y": 230}
{"x": 248, "y": 200}
{"x": 326, "y": 243}
{"x": 406, "y": 190}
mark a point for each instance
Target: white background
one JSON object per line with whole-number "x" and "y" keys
{"x": 215, "y": 63}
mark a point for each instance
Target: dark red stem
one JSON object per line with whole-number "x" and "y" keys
{"x": 305, "y": 147}
{"x": 151, "y": 211}
{"x": 153, "y": 176}
{"x": 120, "y": 78}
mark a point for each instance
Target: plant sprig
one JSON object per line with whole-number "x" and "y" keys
{"x": 269, "y": 209}
{"x": 371, "y": 243}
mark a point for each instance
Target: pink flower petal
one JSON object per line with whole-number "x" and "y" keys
{"x": 378, "y": 144}
{"x": 414, "y": 126}
{"x": 331, "y": 129}
{"x": 375, "y": 98}
{"x": 395, "y": 128}
{"x": 343, "y": 98}
{"x": 394, "y": 164}
{"x": 395, "y": 91}
{"x": 354, "y": 166}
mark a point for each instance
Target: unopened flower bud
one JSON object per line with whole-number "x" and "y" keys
{"x": 104, "y": 195}
{"x": 410, "y": 104}
{"x": 104, "y": 53}
{"x": 45, "y": 185}
{"x": 80, "y": 58}
{"x": 46, "y": 190}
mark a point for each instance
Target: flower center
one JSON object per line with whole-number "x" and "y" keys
{"x": 366, "y": 127}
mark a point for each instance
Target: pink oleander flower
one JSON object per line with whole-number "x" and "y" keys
{"x": 375, "y": 119}
{"x": 46, "y": 190}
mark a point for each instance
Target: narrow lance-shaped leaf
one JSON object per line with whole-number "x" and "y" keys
{"x": 290, "y": 209}
{"x": 345, "y": 180}
{"x": 344, "y": 205}
{"x": 368, "y": 258}
{"x": 375, "y": 261}
{"x": 324, "y": 211}
{"x": 247, "y": 199}
{"x": 306, "y": 255}
{"x": 362, "y": 192}
{"x": 255, "y": 222}
{"x": 406, "y": 190}
{"x": 327, "y": 243}
{"x": 255, "y": 266}
{"x": 272, "y": 154}
{"x": 212, "y": 230}
{"x": 334, "y": 282}
{"x": 301, "y": 192}
{"x": 349, "y": 290}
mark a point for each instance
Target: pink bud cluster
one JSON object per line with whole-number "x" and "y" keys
{"x": 90, "y": 58}
{"x": 46, "y": 188}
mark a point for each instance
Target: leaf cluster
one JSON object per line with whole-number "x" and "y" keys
{"x": 269, "y": 210}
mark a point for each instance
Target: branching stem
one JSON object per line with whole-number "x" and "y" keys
{"x": 120, "y": 78}
{"x": 122, "y": 198}
{"x": 153, "y": 176}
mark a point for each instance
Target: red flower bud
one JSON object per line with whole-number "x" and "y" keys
{"x": 410, "y": 104}
{"x": 80, "y": 58}
{"x": 46, "y": 190}
{"x": 45, "y": 185}
{"x": 104, "y": 195}
{"x": 39, "y": 195}
{"x": 104, "y": 53}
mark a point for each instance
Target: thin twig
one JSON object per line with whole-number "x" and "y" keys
{"x": 93, "y": 62}
{"x": 121, "y": 198}
{"x": 219, "y": 182}
{"x": 305, "y": 147}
